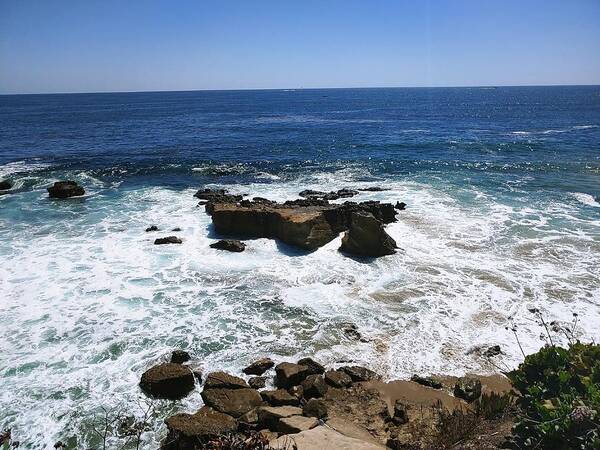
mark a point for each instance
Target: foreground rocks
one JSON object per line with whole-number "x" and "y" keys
{"x": 167, "y": 380}
{"x": 65, "y": 189}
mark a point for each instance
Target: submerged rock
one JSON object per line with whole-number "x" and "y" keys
{"x": 180, "y": 356}
{"x": 366, "y": 237}
{"x": 168, "y": 380}
{"x": 5, "y": 185}
{"x": 259, "y": 367}
{"x": 231, "y": 245}
{"x": 167, "y": 240}
{"x": 65, "y": 189}
{"x": 151, "y": 228}
{"x": 188, "y": 431}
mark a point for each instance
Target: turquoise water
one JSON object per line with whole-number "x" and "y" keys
{"x": 502, "y": 187}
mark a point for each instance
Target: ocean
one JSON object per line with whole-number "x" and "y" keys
{"x": 502, "y": 187}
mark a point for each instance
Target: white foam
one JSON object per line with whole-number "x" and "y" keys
{"x": 586, "y": 199}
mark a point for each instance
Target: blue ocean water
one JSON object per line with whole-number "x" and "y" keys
{"x": 503, "y": 193}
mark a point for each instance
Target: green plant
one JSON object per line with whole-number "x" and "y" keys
{"x": 560, "y": 399}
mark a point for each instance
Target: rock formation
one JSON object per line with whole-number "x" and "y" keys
{"x": 367, "y": 237}
{"x": 65, "y": 189}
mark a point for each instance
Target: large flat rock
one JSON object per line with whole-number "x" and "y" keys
{"x": 324, "y": 438}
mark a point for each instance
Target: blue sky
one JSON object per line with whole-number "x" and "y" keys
{"x": 109, "y": 45}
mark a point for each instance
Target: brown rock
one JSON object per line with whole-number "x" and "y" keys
{"x": 314, "y": 386}
{"x": 315, "y": 408}
{"x": 222, "y": 380}
{"x": 313, "y": 366}
{"x": 366, "y": 237}
{"x": 234, "y": 402}
{"x": 338, "y": 379}
{"x": 296, "y": 424}
{"x": 426, "y": 381}
{"x": 351, "y": 430}
{"x": 186, "y": 431}
{"x": 279, "y": 397}
{"x": 259, "y": 367}
{"x": 167, "y": 380}
{"x": 269, "y": 416}
{"x": 257, "y": 382}
{"x": 290, "y": 374}
{"x": 358, "y": 373}
{"x": 65, "y": 189}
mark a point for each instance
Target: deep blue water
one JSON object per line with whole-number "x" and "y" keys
{"x": 503, "y": 215}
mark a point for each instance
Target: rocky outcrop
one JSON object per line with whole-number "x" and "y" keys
{"x": 367, "y": 237}
{"x": 308, "y": 224}
{"x": 259, "y": 367}
{"x": 65, "y": 189}
{"x": 230, "y": 245}
{"x": 5, "y": 185}
{"x": 167, "y": 240}
{"x": 189, "y": 431}
{"x": 167, "y": 380}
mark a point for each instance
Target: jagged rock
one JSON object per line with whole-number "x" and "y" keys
{"x": 366, "y": 237}
{"x": 314, "y": 386}
{"x": 151, "y": 228}
{"x": 399, "y": 415}
{"x": 257, "y": 382}
{"x": 180, "y": 356}
{"x": 314, "y": 367}
{"x": 358, "y": 373}
{"x": 308, "y": 224}
{"x": 315, "y": 408}
{"x": 426, "y": 381}
{"x": 167, "y": 240}
{"x": 400, "y": 206}
{"x": 5, "y": 185}
{"x": 65, "y": 189}
{"x": 290, "y": 374}
{"x": 468, "y": 389}
{"x": 222, "y": 380}
{"x": 296, "y": 424}
{"x": 259, "y": 367}
{"x": 269, "y": 416}
{"x": 167, "y": 380}
{"x": 187, "y": 431}
{"x": 279, "y": 397}
{"x": 231, "y": 245}
{"x": 234, "y": 402}
{"x": 337, "y": 378}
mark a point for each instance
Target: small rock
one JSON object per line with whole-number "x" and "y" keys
{"x": 231, "y": 245}
{"x": 259, "y": 367}
{"x": 468, "y": 389}
{"x": 180, "y": 356}
{"x": 279, "y": 397}
{"x": 400, "y": 206}
{"x": 176, "y": 229}
{"x": 314, "y": 386}
{"x": 186, "y": 431}
{"x": 65, "y": 189}
{"x": 167, "y": 380}
{"x": 151, "y": 228}
{"x": 358, "y": 373}
{"x": 290, "y": 374}
{"x": 257, "y": 382}
{"x": 494, "y": 350}
{"x": 313, "y": 366}
{"x": 5, "y": 185}
{"x": 351, "y": 331}
{"x": 222, "y": 380}
{"x": 234, "y": 402}
{"x": 167, "y": 240}
{"x": 338, "y": 379}
{"x": 269, "y": 416}
{"x": 315, "y": 408}
{"x": 426, "y": 381}
{"x": 296, "y": 424}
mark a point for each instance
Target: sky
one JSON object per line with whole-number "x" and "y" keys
{"x": 134, "y": 45}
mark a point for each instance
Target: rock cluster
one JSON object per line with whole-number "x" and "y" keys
{"x": 65, "y": 189}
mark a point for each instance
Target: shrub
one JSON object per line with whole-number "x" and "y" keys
{"x": 560, "y": 399}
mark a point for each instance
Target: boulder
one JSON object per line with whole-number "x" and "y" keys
{"x": 322, "y": 437}
{"x": 187, "y": 431}
{"x": 468, "y": 389}
{"x": 279, "y": 397}
{"x": 180, "y": 356}
{"x": 338, "y": 379}
{"x": 314, "y": 386}
{"x": 366, "y": 237}
{"x": 296, "y": 424}
{"x": 234, "y": 402}
{"x": 269, "y": 416}
{"x": 290, "y": 374}
{"x": 167, "y": 380}
{"x": 5, "y": 185}
{"x": 167, "y": 240}
{"x": 426, "y": 381}
{"x": 222, "y": 380}
{"x": 315, "y": 408}
{"x": 231, "y": 245}
{"x": 257, "y": 382}
{"x": 65, "y": 189}
{"x": 151, "y": 228}
{"x": 358, "y": 373}
{"x": 313, "y": 366}
{"x": 259, "y": 367}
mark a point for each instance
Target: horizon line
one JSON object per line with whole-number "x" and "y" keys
{"x": 483, "y": 86}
